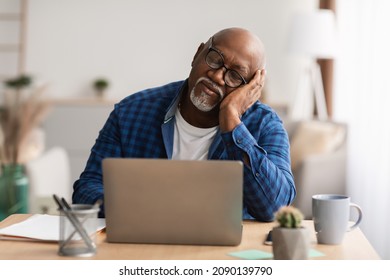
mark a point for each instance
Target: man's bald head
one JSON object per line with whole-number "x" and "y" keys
{"x": 246, "y": 41}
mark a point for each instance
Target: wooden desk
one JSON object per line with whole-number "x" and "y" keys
{"x": 355, "y": 246}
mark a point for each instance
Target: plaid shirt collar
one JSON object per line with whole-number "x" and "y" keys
{"x": 175, "y": 102}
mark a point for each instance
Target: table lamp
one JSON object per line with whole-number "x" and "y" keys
{"x": 312, "y": 35}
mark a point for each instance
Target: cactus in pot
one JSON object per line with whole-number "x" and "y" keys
{"x": 290, "y": 240}
{"x": 289, "y": 217}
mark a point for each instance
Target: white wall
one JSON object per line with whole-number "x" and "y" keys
{"x": 139, "y": 44}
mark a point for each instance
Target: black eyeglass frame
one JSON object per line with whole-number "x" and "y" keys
{"x": 211, "y": 48}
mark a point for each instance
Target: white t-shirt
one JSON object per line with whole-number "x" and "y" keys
{"x": 190, "y": 142}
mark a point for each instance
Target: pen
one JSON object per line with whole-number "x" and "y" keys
{"x": 64, "y": 206}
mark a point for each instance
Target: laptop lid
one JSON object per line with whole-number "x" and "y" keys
{"x": 173, "y": 202}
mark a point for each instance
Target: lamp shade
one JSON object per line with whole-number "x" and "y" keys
{"x": 313, "y": 34}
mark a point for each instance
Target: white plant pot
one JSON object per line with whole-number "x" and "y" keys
{"x": 290, "y": 243}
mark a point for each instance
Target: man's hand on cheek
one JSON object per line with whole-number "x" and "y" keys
{"x": 239, "y": 100}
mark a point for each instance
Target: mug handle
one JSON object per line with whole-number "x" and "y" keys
{"x": 360, "y": 212}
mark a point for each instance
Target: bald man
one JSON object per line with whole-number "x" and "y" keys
{"x": 214, "y": 114}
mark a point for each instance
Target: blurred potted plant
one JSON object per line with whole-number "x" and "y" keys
{"x": 100, "y": 85}
{"x": 290, "y": 241}
{"x": 18, "y": 83}
{"x": 22, "y": 111}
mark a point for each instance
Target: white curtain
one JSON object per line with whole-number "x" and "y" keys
{"x": 362, "y": 99}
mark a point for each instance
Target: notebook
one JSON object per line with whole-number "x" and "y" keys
{"x": 173, "y": 202}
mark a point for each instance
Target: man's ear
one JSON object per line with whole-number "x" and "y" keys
{"x": 200, "y": 49}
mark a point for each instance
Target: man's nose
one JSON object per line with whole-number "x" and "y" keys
{"x": 217, "y": 75}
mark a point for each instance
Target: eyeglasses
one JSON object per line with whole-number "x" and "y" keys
{"x": 214, "y": 60}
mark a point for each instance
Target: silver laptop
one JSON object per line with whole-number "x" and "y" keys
{"x": 173, "y": 202}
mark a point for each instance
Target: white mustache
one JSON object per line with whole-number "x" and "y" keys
{"x": 214, "y": 86}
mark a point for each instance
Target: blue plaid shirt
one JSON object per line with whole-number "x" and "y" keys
{"x": 142, "y": 126}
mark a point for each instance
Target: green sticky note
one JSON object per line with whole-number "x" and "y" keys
{"x": 252, "y": 255}
{"x": 314, "y": 253}
{"x": 259, "y": 255}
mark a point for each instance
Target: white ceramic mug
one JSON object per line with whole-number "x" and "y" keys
{"x": 331, "y": 215}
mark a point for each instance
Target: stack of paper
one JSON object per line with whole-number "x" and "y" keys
{"x": 39, "y": 227}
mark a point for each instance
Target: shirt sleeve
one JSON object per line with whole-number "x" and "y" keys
{"x": 89, "y": 187}
{"x": 268, "y": 180}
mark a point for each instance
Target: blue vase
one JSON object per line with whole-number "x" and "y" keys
{"x": 14, "y": 190}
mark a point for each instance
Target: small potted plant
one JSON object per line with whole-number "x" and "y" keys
{"x": 290, "y": 241}
{"x": 19, "y": 82}
{"x": 100, "y": 86}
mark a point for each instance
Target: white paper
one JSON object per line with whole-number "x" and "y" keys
{"x": 40, "y": 227}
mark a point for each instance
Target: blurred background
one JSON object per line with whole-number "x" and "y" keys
{"x": 326, "y": 77}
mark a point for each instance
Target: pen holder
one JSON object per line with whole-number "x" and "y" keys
{"x": 78, "y": 227}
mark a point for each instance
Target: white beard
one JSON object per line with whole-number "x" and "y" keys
{"x": 201, "y": 102}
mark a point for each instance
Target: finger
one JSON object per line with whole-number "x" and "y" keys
{"x": 255, "y": 86}
{"x": 256, "y": 80}
{"x": 263, "y": 72}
